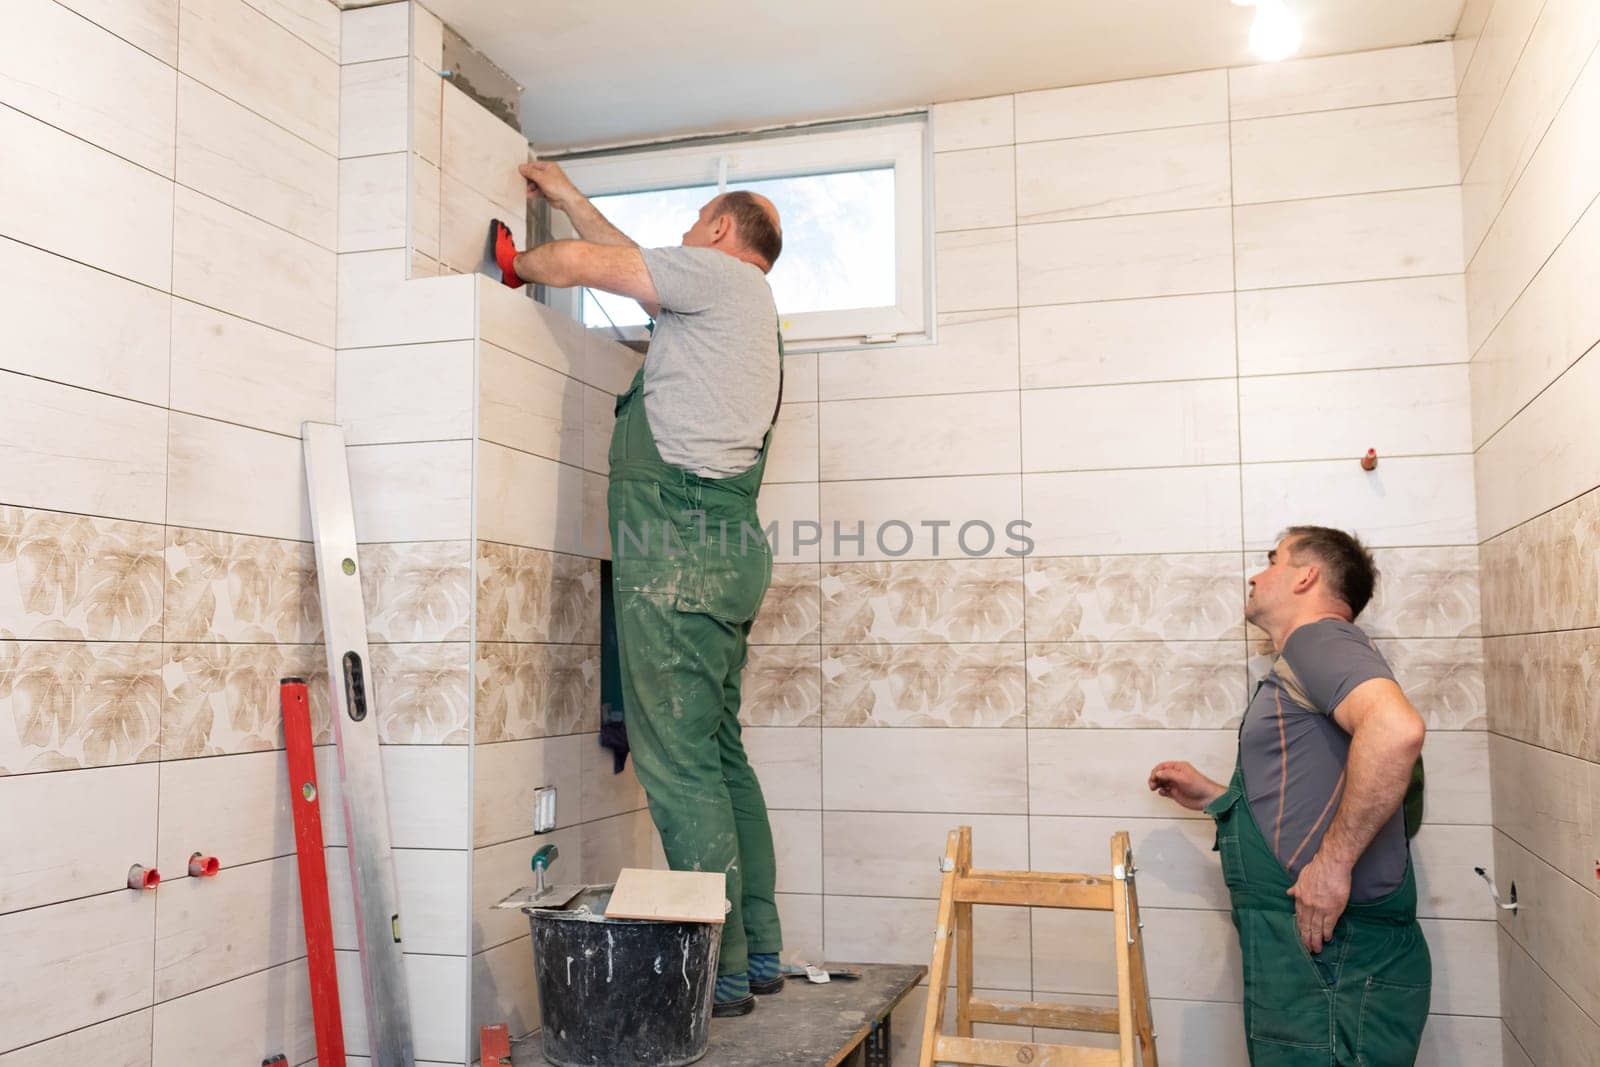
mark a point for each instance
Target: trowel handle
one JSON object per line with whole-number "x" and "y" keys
{"x": 545, "y": 857}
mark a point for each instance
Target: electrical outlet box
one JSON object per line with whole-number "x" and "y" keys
{"x": 544, "y": 809}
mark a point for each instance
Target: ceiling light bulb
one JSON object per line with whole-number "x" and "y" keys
{"x": 1275, "y": 34}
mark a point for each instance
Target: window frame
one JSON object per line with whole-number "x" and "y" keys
{"x": 899, "y": 141}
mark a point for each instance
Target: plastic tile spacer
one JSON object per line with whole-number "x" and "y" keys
{"x": 203, "y": 866}
{"x": 143, "y": 878}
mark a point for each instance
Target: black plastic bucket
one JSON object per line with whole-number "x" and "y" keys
{"x": 622, "y": 992}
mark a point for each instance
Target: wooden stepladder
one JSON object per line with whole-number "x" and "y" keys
{"x": 965, "y": 886}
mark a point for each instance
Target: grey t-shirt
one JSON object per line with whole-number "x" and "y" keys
{"x": 1294, "y": 752}
{"x": 711, "y": 374}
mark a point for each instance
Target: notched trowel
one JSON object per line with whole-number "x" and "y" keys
{"x": 542, "y": 896}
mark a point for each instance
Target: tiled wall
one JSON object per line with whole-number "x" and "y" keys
{"x": 1172, "y": 315}
{"x": 168, "y": 233}
{"x": 1529, "y": 105}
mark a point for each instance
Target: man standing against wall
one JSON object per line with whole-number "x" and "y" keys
{"x": 687, "y": 457}
{"x": 1311, "y": 827}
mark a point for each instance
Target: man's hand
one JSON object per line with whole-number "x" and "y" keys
{"x": 1181, "y": 782}
{"x": 1320, "y": 895}
{"x": 547, "y": 181}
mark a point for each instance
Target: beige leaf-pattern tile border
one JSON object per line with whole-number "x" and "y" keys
{"x": 237, "y": 588}
{"x": 64, "y": 576}
{"x": 782, "y": 686}
{"x": 1545, "y": 574}
{"x": 1424, "y": 592}
{"x": 527, "y": 690}
{"x": 528, "y": 594}
{"x": 1179, "y": 684}
{"x": 1197, "y": 597}
{"x": 421, "y": 691}
{"x": 791, "y": 613}
{"x": 1545, "y": 689}
{"x": 923, "y": 685}
{"x": 417, "y": 591}
{"x": 66, "y": 704}
{"x": 916, "y": 601}
{"x": 223, "y": 699}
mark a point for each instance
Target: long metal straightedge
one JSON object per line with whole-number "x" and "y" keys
{"x": 355, "y": 729}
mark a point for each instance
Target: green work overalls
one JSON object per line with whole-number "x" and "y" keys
{"x": 1361, "y": 1002}
{"x": 690, "y": 567}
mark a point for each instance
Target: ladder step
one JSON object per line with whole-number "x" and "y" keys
{"x": 1058, "y": 1016}
{"x": 988, "y": 1053}
{"x": 1040, "y": 891}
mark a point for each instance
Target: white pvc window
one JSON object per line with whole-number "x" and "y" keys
{"x": 854, "y": 268}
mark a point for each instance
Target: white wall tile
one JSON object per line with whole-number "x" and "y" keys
{"x": 438, "y": 991}
{"x": 1460, "y": 1040}
{"x": 67, "y": 71}
{"x": 797, "y": 843}
{"x": 1166, "y": 424}
{"x": 1494, "y": 59}
{"x": 73, "y": 964}
{"x": 1543, "y": 801}
{"x": 1540, "y": 1016}
{"x": 1468, "y": 30}
{"x": 529, "y": 407}
{"x": 372, "y": 202}
{"x": 1553, "y": 321}
{"x": 82, "y": 831}
{"x": 309, "y": 20}
{"x": 1560, "y": 44}
{"x": 921, "y": 504}
{"x": 1458, "y": 777}
{"x": 792, "y": 456}
{"x": 377, "y": 306}
{"x": 1115, "y": 107}
{"x": 236, "y": 808}
{"x": 211, "y": 930}
{"x": 599, "y": 419}
{"x": 481, "y": 151}
{"x": 1348, "y": 238}
{"x": 1353, "y": 325}
{"x": 424, "y": 216}
{"x": 119, "y": 1042}
{"x": 412, "y": 492}
{"x": 788, "y": 760}
{"x": 975, "y": 188}
{"x": 1558, "y": 922}
{"x": 985, "y": 123}
{"x": 70, "y": 450}
{"x": 893, "y": 854}
{"x": 232, "y": 154}
{"x": 427, "y": 105}
{"x": 531, "y": 501}
{"x": 243, "y": 1021}
{"x": 249, "y": 58}
{"x": 974, "y": 350}
{"x": 1159, "y": 339}
{"x": 1105, "y": 773}
{"x": 975, "y": 270}
{"x": 792, "y": 506}
{"x": 505, "y": 775}
{"x": 1123, "y": 174}
{"x": 1462, "y": 981}
{"x": 1146, "y": 255}
{"x": 516, "y": 323}
{"x": 1189, "y": 955}
{"x": 229, "y": 260}
{"x": 427, "y": 36}
{"x": 1447, "y": 885}
{"x": 1546, "y": 455}
{"x": 382, "y": 32}
{"x": 906, "y": 437}
{"x": 226, "y": 477}
{"x": 426, "y": 788}
{"x": 967, "y": 770}
{"x": 128, "y": 234}
{"x": 81, "y": 326}
{"x": 801, "y": 916}
{"x": 896, "y": 930}
{"x": 1177, "y": 868}
{"x": 1360, "y": 79}
{"x": 464, "y": 215}
{"x": 1184, "y": 509}
{"x": 1405, "y": 411}
{"x": 148, "y": 24}
{"x": 504, "y": 990}
{"x": 406, "y": 392}
{"x": 232, "y": 369}
{"x": 1354, "y": 150}
{"x": 373, "y": 107}
{"x": 431, "y": 887}
{"x": 1407, "y": 501}
{"x": 1559, "y": 184}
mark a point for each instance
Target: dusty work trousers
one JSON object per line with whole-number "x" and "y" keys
{"x": 1360, "y": 1002}
{"x": 688, "y": 578}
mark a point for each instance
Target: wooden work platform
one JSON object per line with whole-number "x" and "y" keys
{"x": 807, "y": 1025}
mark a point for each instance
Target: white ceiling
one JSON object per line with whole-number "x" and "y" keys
{"x": 606, "y": 71}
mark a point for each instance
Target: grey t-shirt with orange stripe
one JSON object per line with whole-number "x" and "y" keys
{"x": 1294, "y": 752}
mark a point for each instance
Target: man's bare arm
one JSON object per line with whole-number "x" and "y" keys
{"x": 610, "y": 268}
{"x": 548, "y": 181}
